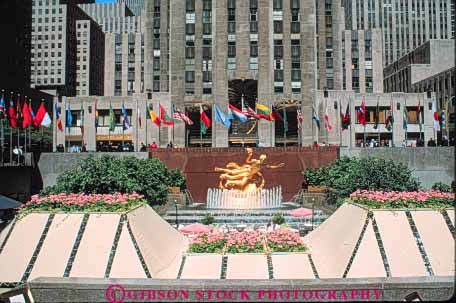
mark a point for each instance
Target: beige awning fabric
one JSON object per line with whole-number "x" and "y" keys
{"x": 56, "y": 250}
{"x": 19, "y": 248}
{"x": 292, "y": 266}
{"x": 202, "y": 267}
{"x": 353, "y": 243}
{"x": 400, "y": 246}
{"x": 247, "y": 266}
{"x": 367, "y": 262}
{"x": 98, "y": 237}
{"x": 333, "y": 242}
{"x": 435, "y": 236}
{"x": 162, "y": 246}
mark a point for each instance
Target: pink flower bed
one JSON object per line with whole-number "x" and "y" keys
{"x": 415, "y": 199}
{"x": 282, "y": 240}
{"x": 84, "y": 202}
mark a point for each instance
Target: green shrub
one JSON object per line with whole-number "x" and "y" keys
{"x": 347, "y": 175}
{"x": 441, "y": 187}
{"x": 278, "y": 219}
{"x": 208, "y": 219}
{"x": 109, "y": 174}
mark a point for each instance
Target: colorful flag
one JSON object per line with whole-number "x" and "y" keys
{"x": 346, "y": 119}
{"x": 96, "y": 116}
{"x": 276, "y": 115}
{"x": 81, "y": 112}
{"x": 205, "y": 122}
{"x": 18, "y": 110}
{"x": 58, "y": 118}
{"x": 390, "y": 119}
{"x": 238, "y": 114}
{"x": 418, "y": 114}
{"x": 263, "y": 112}
{"x": 138, "y": 111}
{"x": 405, "y": 117}
{"x": 377, "y": 113}
{"x": 28, "y": 120}
{"x": 299, "y": 116}
{"x": 164, "y": 117}
{"x": 327, "y": 124}
{"x": 182, "y": 117}
{"x": 315, "y": 118}
{"x": 153, "y": 117}
{"x": 112, "y": 119}
{"x": 33, "y": 115}
{"x": 252, "y": 113}
{"x": 42, "y": 117}
{"x": 446, "y": 114}
{"x": 2, "y": 105}
{"x": 435, "y": 115}
{"x": 125, "y": 122}
{"x": 285, "y": 121}
{"x": 12, "y": 114}
{"x": 362, "y": 113}
{"x": 69, "y": 116}
{"x": 221, "y": 117}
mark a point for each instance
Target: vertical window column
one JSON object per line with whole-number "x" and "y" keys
{"x": 207, "y": 47}
{"x": 231, "y": 6}
{"x": 190, "y": 18}
{"x": 295, "y": 29}
{"x": 156, "y": 47}
{"x": 277, "y": 15}
{"x": 253, "y": 64}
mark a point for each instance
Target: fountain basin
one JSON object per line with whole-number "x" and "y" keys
{"x": 235, "y": 199}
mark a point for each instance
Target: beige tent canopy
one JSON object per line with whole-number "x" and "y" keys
{"x": 353, "y": 243}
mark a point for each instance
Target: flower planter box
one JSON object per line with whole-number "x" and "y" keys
{"x": 174, "y": 189}
{"x": 316, "y": 189}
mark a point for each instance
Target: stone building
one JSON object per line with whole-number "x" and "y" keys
{"x": 362, "y": 61}
{"x": 113, "y": 17}
{"x": 90, "y": 58}
{"x": 405, "y": 24}
{"x": 54, "y": 45}
{"x": 124, "y": 64}
{"x": 333, "y": 102}
{"x": 428, "y": 68}
{"x": 136, "y": 6}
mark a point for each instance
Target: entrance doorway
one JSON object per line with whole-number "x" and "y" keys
{"x": 243, "y": 94}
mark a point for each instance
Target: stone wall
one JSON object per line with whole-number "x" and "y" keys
{"x": 296, "y": 290}
{"x": 198, "y": 165}
{"x": 428, "y": 164}
{"x": 51, "y": 165}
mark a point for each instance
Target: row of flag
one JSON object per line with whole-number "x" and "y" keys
{"x": 14, "y": 113}
{"x": 262, "y": 112}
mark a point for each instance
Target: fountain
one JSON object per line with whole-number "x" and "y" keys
{"x": 242, "y": 186}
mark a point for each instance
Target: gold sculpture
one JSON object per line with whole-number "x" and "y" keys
{"x": 246, "y": 177}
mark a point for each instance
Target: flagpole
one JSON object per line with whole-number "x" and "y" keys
{"x": 284, "y": 127}
{"x": 137, "y": 126}
{"x": 109, "y": 129}
{"x": 25, "y": 129}
{"x": 364, "y": 131}
{"x": 377, "y": 109}
{"x": 340, "y": 122}
{"x": 30, "y": 128}
{"x": 327, "y": 124}
{"x": 18, "y": 125}
{"x": 11, "y": 130}
{"x": 214, "y": 128}
{"x": 123, "y": 127}
{"x": 201, "y": 132}
{"x": 392, "y": 121}
{"x": 147, "y": 115}
{"x": 350, "y": 113}
{"x": 172, "y": 118}
{"x": 406, "y": 125}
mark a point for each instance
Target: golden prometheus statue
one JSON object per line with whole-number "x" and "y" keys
{"x": 246, "y": 177}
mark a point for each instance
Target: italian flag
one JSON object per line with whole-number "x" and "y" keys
{"x": 263, "y": 111}
{"x": 164, "y": 117}
{"x": 205, "y": 122}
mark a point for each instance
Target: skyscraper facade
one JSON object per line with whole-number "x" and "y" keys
{"x": 54, "y": 45}
{"x": 405, "y": 24}
{"x": 136, "y": 6}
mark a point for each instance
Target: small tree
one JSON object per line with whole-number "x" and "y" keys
{"x": 125, "y": 175}
{"x": 347, "y": 175}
